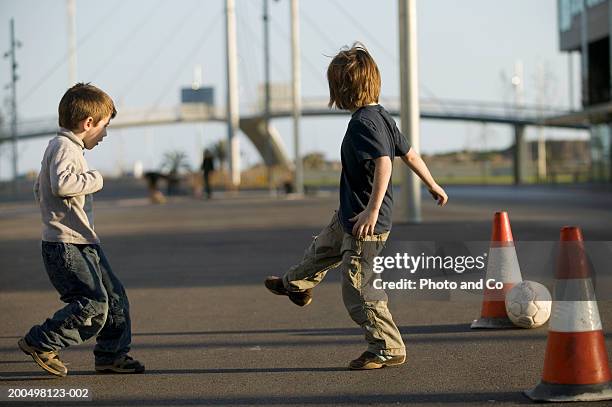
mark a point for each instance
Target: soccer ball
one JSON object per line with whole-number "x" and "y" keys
{"x": 528, "y": 304}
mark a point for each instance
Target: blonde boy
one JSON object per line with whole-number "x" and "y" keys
{"x": 358, "y": 230}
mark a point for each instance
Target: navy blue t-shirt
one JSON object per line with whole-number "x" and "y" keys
{"x": 371, "y": 133}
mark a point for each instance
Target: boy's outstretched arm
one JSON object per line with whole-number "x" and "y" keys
{"x": 365, "y": 222}
{"x": 416, "y": 164}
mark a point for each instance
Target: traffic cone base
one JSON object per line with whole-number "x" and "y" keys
{"x": 570, "y": 392}
{"x": 492, "y": 323}
{"x": 495, "y": 310}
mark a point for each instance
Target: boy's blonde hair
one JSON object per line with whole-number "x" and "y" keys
{"x": 82, "y": 101}
{"x": 354, "y": 79}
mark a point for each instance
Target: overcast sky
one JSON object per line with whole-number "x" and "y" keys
{"x": 142, "y": 53}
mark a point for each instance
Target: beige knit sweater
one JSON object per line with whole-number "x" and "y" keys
{"x": 64, "y": 191}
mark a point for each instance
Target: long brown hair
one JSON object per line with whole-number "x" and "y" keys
{"x": 353, "y": 78}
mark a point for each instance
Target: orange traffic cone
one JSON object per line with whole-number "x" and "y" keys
{"x": 502, "y": 266}
{"x": 576, "y": 362}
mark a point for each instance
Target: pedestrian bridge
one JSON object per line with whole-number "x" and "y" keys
{"x": 268, "y": 141}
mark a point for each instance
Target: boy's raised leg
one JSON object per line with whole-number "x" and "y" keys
{"x": 323, "y": 254}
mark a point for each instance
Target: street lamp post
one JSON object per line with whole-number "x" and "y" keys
{"x": 13, "y": 85}
{"x": 410, "y": 199}
{"x": 233, "y": 121}
{"x": 297, "y": 102}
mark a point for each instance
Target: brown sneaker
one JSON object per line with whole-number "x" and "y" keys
{"x": 124, "y": 364}
{"x": 369, "y": 360}
{"x": 47, "y": 360}
{"x": 301, "y": 298}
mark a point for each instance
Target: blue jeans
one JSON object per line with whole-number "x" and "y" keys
{"x": 97, "y": 303}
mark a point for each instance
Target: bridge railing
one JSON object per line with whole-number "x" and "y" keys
{"x": 453, "y": 107}
{"x": 186, "y": 113}
{"x": 507, "y": 110}
{"x": 125, "y": 117}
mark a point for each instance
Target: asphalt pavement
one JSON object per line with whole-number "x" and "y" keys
{"x": 209, "y": 333}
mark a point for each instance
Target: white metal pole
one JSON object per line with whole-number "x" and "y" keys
{"x": 410, "y": 199}
{"x": 15, "y": 151}
{"x": 267, "y": 97}
{"x": 232, "y": 93}
{"x": 519, "y": 130}
{"x": 72, "y": 43}
{"x": 610, "y": 54}
{"x": 610, "y": 88}
{"x": 297, "y": 105}
{"x": 570, "y": 74}
{"x": 517, "y": 85}
{"x": 542, "y": 88}
{"x": 266, "y": 33}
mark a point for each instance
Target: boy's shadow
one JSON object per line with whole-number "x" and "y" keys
{"x": 27, "y": 376}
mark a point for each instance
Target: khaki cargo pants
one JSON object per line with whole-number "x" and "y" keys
{"x": 366, "y": 306}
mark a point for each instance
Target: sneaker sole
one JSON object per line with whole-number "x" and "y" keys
{"x": 112, "y": 369}
{"x": 25, "y": 348}
{"x": 374, "y": 365}
{"x": 401, "y": 362}
{"x": 299, "y": 304}
{"x": 369, "y": 366}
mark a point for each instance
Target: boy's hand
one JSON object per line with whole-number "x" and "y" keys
{"x": 365, "y": 223}
{"x": 438, "y": 194}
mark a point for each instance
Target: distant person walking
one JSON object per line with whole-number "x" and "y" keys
{"x": 208, "y": 166}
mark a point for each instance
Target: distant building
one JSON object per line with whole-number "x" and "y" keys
{"x": 204, "y": 95}
{"x": 585, "y": 27}
{"x": 197, "y": 101}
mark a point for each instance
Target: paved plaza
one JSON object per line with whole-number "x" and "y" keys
{"x": 209, "y": 333}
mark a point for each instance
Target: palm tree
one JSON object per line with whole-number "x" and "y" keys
{"x": 219, "y": 150}
{"x": 314, "y": 161}
{"x": 174, "y": 162}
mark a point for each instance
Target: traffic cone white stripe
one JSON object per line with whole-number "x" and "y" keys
{"x": 574, "y": 316}
{"x": 503, "y": 265}
{"x": 574, "y": 307}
